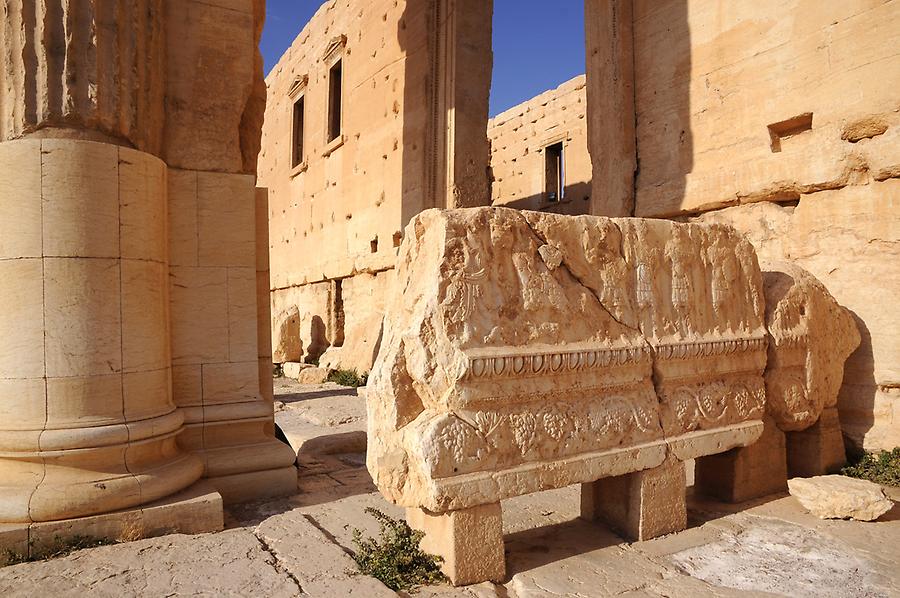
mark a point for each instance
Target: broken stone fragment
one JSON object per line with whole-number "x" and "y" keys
{"x": 810, "y": 338}
{"x": 286, "y": 342}
{"x": 840, "y": 497}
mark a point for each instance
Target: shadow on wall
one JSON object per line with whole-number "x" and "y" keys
{"x": 858, "y": 396}
{"x": 319, "y": 339}
{"x": 577, "y": 201}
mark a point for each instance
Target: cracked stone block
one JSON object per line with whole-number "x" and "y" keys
{"x": 810, "y": 338}
{"x": 525, "y": 351}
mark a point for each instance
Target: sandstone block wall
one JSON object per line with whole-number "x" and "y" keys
{"x": 340, "y": 212}
{"x": 518, "y": 139}
{"x": 781, "y": 118}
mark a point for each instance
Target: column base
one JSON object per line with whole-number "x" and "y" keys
{"x": 193, "y": 511}
{"x": 745, "y": 473}
{"x": 256, "y": 485}
{"x": 470, "y": 541}
{"x": 641, "y": 505}
{"x": 817, "y": 450}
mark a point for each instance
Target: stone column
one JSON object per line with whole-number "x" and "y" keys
{"x": 87, "y": 421}
{"x": 611, "y": 109}
{"x": 461, "y": 40}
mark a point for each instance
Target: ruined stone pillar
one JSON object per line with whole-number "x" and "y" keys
{"x": 87, "y": 421}
{"x": 461, "y": 40}
{"x": 611, "y": 109}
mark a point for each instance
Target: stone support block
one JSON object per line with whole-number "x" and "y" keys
{"x": 745, "y": 473}
{"x": 817, "y": 450}
{"x": 642, "y": 505}
{"x": 470, "y": 541}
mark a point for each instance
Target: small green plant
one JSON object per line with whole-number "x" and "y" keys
{"x": 882, "y": 467}
{"x": 348, "y": 378}
{"x": 396, "y": 559}
{"x": 56, "y": 549}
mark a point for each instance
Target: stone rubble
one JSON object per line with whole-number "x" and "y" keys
{"x": 840, "y": 497}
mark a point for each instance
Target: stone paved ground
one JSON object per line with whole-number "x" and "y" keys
{"x": 298, "y": 546}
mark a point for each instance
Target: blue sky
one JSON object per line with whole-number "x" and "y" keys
{"x": 538, "y": 44}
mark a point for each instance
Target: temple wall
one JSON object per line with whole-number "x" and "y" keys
{"x": 338, "y": 212}
{"x": 518, "y": 139}
{"x": 781, "y": 118}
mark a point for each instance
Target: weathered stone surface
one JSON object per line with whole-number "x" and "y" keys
{"x": 840, "y": 497}
{"x": 469, "y": 540}
{"x": 849, "y": 239}
{"x": 521, "y": 349}
{"x": 810, "y": 337}
{"x": 173, "y": 565}
{"x": 321, "y": 567}
{"x": 311, "y": 375}
{"x": 640, "y": 505}
{"x": 287, "y": 345}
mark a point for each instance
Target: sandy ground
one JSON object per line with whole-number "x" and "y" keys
{"x": 299, "y": 546}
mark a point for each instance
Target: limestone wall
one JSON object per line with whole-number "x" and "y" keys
{"x": 788, "y": 111}
{"x": 518, "y": 139}
{"x": 340, "y": 210}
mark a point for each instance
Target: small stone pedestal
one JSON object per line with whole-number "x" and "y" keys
{"x": 470, "y": 541}
{"x": 817, "y": 450}
{"x": 642, "y": 505}
{"x": 745, "y": 473}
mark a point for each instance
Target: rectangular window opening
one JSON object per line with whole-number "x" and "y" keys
{"x": 554, "y": 172}
{"x": 335, "y": 77}
{"x": 297, "y": 146}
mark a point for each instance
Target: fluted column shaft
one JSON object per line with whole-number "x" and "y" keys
{"x": 91, "y": 65}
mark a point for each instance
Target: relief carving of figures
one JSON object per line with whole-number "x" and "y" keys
{"x": 724, "y": 273}
{"x": 679, "y": 257}
{"x": 644, "y": 286}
